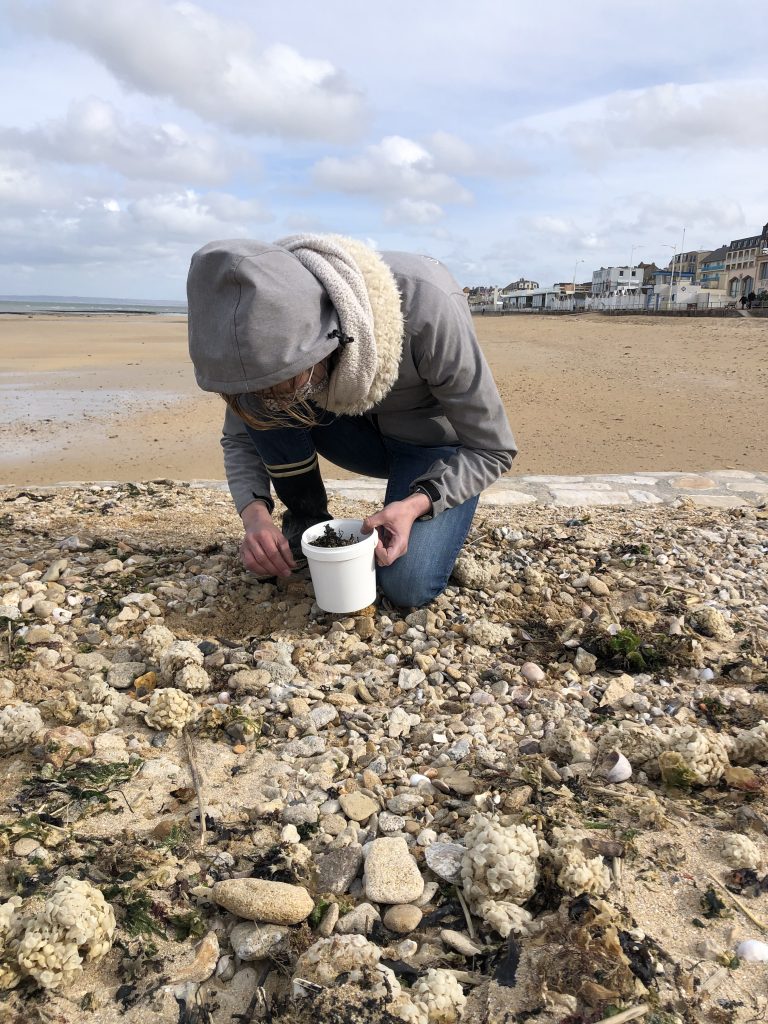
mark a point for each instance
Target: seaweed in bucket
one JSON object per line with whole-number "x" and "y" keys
{"x": 331, "y": 538}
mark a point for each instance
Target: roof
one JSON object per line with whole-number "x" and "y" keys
{"x": 717, "y": 255}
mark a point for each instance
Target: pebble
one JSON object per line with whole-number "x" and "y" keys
{"x": 337, "y": 869}
{"x": 24, "y": 847}
{"x": 402, "y": 919}
{"x": 445, "y": 860}
{"x": 358, "y": 806}
{"x": 258, "y": 900}
{"x": 359, "y": 921}
{"x": 598, "y": 586}
{"x": 256, "y": 941}
{"x": 391, "y": 874}
{"x": 532, "y": 672}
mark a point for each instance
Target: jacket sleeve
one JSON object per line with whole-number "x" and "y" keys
{"x": 450, "y": 361}
{"x": 246, "y": 475}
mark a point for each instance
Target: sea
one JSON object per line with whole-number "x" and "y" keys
{"x": 78, "y": 305}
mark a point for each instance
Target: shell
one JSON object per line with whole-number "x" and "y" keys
{"x": 753, "y": 951}
{"x": 616, "y": 768}
{"x": 204, "y": 964}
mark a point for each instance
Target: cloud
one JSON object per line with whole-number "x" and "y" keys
{"x": 93, "y": 132}
{"x": 112, "y": 230}
{"x": 686, "y": 117}
{"x": 210, "y": 65}
{"x": 413, "y": 211}
{"x": 395, "y": 168}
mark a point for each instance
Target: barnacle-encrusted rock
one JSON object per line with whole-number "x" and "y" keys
{"x": 10, "y": 931}
{"x": 472, "y": 573}
{"x": 750, "y": 746}
{"x": 500, "y": 868}
{"x": 181, "y": 665}
{"x": 702, "y": 751}
{"x": 568, "y": 743}
{"x": 739, "y": 851}
{"x": 326, "y": 959}
{"x": 640, "y": 744}
{"x": 19, "y": 724}
{"x": 171, "y": 709}
{"x": 711, "y": 622}
{"x": 437, "y": 998}
{"x": 75, "y": 924}
{"x": 100, "y": 716}
{"x": 488, "y": 634}
{"x": 155, "y": 639}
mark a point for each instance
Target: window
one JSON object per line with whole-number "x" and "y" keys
{"x": 764, "y": 272}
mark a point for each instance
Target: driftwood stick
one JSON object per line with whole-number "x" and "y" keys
{"x": 621, "y": 1018}
{"x": 745, "y": 910}
{"x": 197, "y": 782}
{"x": 467, "y": 915}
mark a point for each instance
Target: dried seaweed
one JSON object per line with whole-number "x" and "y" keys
{"x": 71, "y": 793}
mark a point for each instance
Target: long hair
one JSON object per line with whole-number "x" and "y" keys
{"x": 300, "y": 414}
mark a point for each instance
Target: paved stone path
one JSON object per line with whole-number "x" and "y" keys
{"x": 725, "y": 488}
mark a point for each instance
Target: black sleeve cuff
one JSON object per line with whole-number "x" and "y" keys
{"x": 432, "y": 492}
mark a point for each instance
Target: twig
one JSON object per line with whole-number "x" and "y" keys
{"x": 620, "y": 1018}
{"x": 467, "y": 915}
{"x": 745, "y": 910}
{"x": 197, "y": 782}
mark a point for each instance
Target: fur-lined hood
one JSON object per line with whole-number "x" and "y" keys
{"x": 258, "y": 316}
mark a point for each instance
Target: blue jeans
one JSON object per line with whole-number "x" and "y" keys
{"x": 355, "y": 444}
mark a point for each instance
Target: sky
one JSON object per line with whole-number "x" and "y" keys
{"x": 508, "y": 140}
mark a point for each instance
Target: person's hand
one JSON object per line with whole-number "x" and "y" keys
{"x": 394, "y": 524}
{"x": 264, "y": 550}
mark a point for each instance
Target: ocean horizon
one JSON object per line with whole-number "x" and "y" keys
{"x": 28, "y": 305}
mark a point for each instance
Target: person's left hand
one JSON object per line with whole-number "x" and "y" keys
{"x": 394, "y": 524}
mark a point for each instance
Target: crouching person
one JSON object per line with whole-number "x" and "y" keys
{"x": 320, "y": 345}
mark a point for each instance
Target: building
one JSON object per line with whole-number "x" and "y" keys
{"x": 712, "y": 269}
{"x": 522, "y": 285}
{"x": 544, "y": 299}
{"x": 741, "y": 265}
{"x": 761, "y": 265}
{"x": 689, "y": 263}
{"x": 610, "y": 281}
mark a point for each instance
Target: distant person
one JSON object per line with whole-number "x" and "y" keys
{"x": 743, "y": 300}
{"x": 750, "y": 299}
{"x": 319, "y": 345}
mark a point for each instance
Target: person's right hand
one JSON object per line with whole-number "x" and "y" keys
{"x": 264, "y": 550}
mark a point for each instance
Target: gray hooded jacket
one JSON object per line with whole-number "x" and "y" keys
{"x": 242, "y": 338}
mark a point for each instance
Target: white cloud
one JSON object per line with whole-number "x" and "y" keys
{"x": 696, "y": 116}
{"x": 207, "y": 64}
{"x": 93, "y": 132}
{"x": 414, "y": 211}
{"x": 109, "y": 230}
{"x": 395, "y": 168}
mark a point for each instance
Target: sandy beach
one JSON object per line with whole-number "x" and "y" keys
{"x": 114, "y": 398}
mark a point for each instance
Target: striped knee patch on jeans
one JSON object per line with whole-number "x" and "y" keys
{"x": 277, "y": 472}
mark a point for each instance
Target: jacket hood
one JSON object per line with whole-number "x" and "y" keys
{"x": 256, "y": 316}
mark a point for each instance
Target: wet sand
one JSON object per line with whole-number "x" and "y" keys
{"x": 114, "y": 398}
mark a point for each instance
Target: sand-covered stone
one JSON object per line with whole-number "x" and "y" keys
{"x": 259, "y": 900}
{"x": 391, "y": 874}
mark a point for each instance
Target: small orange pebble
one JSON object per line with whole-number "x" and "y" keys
{"x": 145, "y": 684}
{"x": 239, "y": 748}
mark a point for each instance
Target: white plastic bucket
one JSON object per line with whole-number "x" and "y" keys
{"x": 344, "y": 578}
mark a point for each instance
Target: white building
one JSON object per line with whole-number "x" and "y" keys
{"x": 608, "y": 282}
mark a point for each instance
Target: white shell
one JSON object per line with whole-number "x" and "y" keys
{"x": 616, "y": 767}
{"x": 753, "y": 951}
